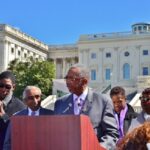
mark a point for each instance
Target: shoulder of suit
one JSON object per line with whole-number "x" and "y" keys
{"x": 19, "y": 112}
{"x": 65, "y": 97}
{"x": 45, "y": 109}
{"x": 105, "y": 97}
{"x": 17, "y": 100}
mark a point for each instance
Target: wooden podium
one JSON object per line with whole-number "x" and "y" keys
{"x": 67, "y": 132}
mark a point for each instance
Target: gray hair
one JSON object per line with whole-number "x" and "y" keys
{"x": 28, "y": 88}
{"x": 84, "y": 71}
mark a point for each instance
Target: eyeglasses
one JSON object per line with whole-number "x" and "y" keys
{"x": 7, "y": 86}
{"x": 145, "y": 99}
{"x": 34, "y": 96}
{"x": 71, "y": 78}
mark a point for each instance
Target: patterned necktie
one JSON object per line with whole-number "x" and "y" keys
{"x": 78, "y": 105}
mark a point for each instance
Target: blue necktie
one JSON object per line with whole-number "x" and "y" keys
{"x": 33, "y": 113}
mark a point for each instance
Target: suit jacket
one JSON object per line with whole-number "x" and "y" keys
{"x": 137, "y": 121}
{"x": 42, "y": 111}
{"x": 24, "y": 112}
{"x": 13, "y": 106}
{"x": 130, "y": 114}
{"x": 99, "y": 108}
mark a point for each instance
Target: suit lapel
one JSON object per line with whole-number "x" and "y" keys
{"x": 88, "y": 103}
{"x": 24, "y": 112}
{"x": 41, "y": 111}
{"x": 69, "y": 106}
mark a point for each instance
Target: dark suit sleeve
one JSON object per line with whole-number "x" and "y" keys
{"x": 7, "y": 141}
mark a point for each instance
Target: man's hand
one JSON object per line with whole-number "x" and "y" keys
{"x": 2, "y": 111}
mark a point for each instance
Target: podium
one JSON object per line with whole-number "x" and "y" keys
{"x": 64, "y": 132}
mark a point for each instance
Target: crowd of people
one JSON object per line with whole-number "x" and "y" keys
{"x": 116, "y": 124}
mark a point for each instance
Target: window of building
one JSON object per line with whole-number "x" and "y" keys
{"x": 126, "y": 71}
{"x": 25, "y": 55}
{"x": 108, "y": 55}
{"x": 144, "y": 27}
{"x": 19, "y": 53}
{"x": 93, "y": 74}
{"x": 145, "y": 52}
{"x": 107, "y": 74}
{"x": 93, "y": 55}
{"x": 12, "y": 50}
{"x": 145, "y": 71}
{"x": 126, "y": 54}
{"x": 134, "y": 28}
{"x": 139, "y": 28}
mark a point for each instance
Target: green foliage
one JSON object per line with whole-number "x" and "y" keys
{"x": 38, "y": 73}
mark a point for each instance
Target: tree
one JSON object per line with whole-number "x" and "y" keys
{"x": 31, "y": 72}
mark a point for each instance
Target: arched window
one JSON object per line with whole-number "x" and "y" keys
{"x": 126, "y": 71}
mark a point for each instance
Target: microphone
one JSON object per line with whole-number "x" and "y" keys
{"x": 69, "y": 106}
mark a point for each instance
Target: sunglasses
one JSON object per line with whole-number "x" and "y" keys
{"x": 7, "y": 86}
{"x": 145, "y": 99}
{"x": 33, "y": 97}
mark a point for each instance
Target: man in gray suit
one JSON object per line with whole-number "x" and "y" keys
{"x": 84, "y": 100}
{"x": 32, "y": 98}
{"x": 145, "y": 113}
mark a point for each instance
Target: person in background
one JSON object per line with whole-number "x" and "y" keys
{"x": 137, "y": 139}
{"x": 85, "y": 101}
{"x": 32, "y": 98}
{"x": 124, "y": 113}
{"x": 8, "y": 103}
{"x": 145, "y": 113}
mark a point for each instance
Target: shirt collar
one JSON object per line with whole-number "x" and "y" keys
{"x": 37, "y": 112}
{"x": 146, "y": 116}
{"x": 82, "y": 96}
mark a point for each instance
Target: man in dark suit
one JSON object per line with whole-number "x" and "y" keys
{"x": 8, "y": 103}
{"x": 84, "y": 100}
{"x": 32, "y": 98}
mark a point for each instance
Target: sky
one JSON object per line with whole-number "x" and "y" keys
{"x": 63, "y": 21}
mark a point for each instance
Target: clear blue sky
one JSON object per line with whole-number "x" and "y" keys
{"x": 63, "y": 21}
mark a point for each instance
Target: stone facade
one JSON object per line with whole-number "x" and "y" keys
{"x": 15, "y": 44}
{"x": 113, "y": 58}
{"x": 63, "y": 57}
{"x": 116, "y": 58}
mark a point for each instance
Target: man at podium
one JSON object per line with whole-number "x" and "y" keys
{"x": 83, "y": 100}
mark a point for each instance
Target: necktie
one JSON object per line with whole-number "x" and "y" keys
{"x": 33, "y": 113}
{"x": 78, "y": 106}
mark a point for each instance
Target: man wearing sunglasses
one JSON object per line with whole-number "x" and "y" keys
{"x": 145, "y": 113}
{"x": 32, "y": 98}
{"x": 8, "y": 103}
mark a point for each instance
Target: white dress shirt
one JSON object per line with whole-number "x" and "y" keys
{"x": 146, "y": 117}
{"x": 79, "y": 101}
